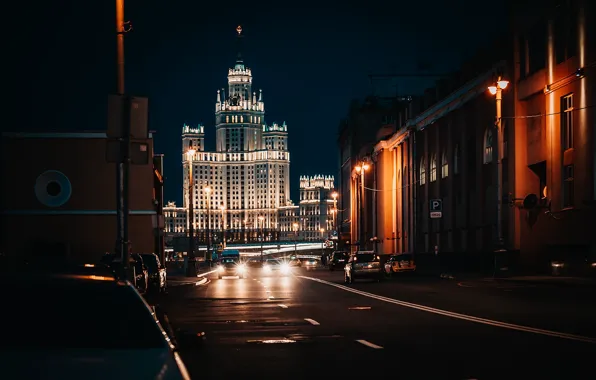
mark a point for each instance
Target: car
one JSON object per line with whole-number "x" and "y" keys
{"x": 363, "y": 264}
{"x": 72, "y": 323}
{"x": 276, "y": 266}
{"x": 229, "y": 266}
{"x": 157, "y": 273}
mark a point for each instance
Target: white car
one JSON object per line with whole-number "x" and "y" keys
{"x": 81, "y": 325}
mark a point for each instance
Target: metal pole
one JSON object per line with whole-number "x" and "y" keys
{"x": 122, "y": 176}
{"x": 208, "y": 226}
{"x": 362, "y": 211}
{"x": 499, "y": 169}
{"x": 190, "y": 268}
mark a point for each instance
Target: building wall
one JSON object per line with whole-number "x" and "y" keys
{"x": 448, "y": 151}
{"x": 87, "y": 220}
{"x": 557, "y": 58}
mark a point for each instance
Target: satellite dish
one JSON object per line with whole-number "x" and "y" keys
{"x": 530, "y": 201}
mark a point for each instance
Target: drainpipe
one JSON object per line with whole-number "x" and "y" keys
{"x": 414, "y": 184}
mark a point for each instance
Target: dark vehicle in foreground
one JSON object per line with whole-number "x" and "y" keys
{"x": 81, "y": 324}
{"x": 338, "y": 260}
{"x": 363, "y": 264}
{"x": 157, "y": 273}
{"x": 138, "y": 274}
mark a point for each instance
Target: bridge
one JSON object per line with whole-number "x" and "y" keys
{"x": 274, "y": 248}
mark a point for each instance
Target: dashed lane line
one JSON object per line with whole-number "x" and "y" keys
{"x": 465, "y": 317}
{"x": 312, "y": 321}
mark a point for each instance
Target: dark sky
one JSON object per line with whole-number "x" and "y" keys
{"x": 310, "y": 60}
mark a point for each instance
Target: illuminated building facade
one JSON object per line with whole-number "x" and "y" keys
{"x": 316, "y": 208}
{"x": 448, "y": 150}
{"x": 241, "y": 186}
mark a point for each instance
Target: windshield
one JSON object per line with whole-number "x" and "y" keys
{"x": 150, "y": 262}
{"x": 273, "y": 262}
{"x": 228, "y": 261}
{"x": 69, "y": 314}
{"x": 405, "y": 257}
{"x": 365, "y": 257}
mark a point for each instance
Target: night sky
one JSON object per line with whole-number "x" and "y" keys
{"x": 310, "y": 60}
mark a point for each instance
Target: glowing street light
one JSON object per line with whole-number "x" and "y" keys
{"x": 497, "y": 90}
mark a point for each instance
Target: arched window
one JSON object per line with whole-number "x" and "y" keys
{"x": 444, "y": 166}
{"x": 488, "y": 146}
{"x": 456, "y": 157}
{"x": 422, "y": 171}
{"x": 433, "y": 168}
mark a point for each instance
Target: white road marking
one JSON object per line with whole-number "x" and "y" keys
{"x": 360, "y": 308}
{"x": 465, "y": 317}
{"x": 312, "y": 321}
{"x": 369, "y": 344}
{"x": 282, "y": 306}
{"x": 206, "y": 273}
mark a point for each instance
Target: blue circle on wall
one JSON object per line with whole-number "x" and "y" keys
{"x": 53, "y": 188}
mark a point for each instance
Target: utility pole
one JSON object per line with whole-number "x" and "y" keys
{"x": 123, "y": 167}
{"x": 191, "y": 260}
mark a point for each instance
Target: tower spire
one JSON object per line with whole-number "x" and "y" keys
{"x": 239, "y": 60}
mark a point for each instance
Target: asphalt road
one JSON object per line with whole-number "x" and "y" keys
{"x": 312, "y": 325}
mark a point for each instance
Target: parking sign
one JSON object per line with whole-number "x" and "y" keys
{"x": 436, "y": 208}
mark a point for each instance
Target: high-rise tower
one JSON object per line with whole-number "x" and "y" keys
{"x": 248, "y": 174}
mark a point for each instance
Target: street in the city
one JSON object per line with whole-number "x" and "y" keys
{"x": 312, "y": 324}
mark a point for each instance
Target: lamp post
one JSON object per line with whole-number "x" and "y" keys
{"x": 295, "y": 225}
{"x": 361, "y": 169}
{"x": 190, "y": 267}
{"x": 322, "y": 242}
{"x": 334, "y": 219}
{"x": 207, "y": 191}
{"x": 223, "y": 225}
{"x": 261, "y": 220}
{"x": 497, "y": 90}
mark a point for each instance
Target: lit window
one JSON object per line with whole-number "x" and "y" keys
{"x": 488, "y": 146}
{"x": 433, "y": 168}
{"x": 444, "y": 166}
{"x": 567, "y": 122}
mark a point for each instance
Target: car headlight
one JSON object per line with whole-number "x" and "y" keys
{"x": 220, "y": 268}
{"x": 267, "y": 268}
{"x": 241, "y": 268}
{"x": 285, "y": 268}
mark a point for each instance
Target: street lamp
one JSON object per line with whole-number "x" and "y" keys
{"x": 207, "y": 191}
{"x": 261, "y": 220}
{"x": 223, "y": 225}
{"x": 322, "y": 242}
{"x": 190, "y": 267}
{"x": 334, "y": 216}
{"x": 361, "y": 169}
{"x": 497, "y": 90}
{"x": 295, "y": 225}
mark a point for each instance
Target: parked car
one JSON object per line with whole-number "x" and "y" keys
{"x": 157, "y": 272}
{"x": 363, "y": 264}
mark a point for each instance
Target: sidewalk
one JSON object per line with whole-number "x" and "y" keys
{"x": 576, "y": 282}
